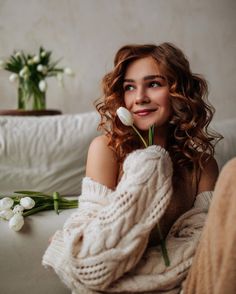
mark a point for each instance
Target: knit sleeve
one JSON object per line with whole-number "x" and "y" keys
{"x": 101, "y": 248}
{"x": 93, "y": 198}
{"x": 151, "y": 273}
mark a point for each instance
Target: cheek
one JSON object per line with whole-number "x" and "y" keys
{"x": 168, "y": 106}
{"x": 163, "y": 98}
{"x": 128, "y": 102}
{"x": 165, "y": 103}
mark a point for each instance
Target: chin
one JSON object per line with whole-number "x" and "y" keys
{"x": 143, "y": 127}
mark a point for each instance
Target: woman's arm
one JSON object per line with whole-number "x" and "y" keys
{"x": 102, "y": 165}
{"x": 208, "y": 176}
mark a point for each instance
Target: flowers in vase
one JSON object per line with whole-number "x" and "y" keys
{"x": 30, "y": 72}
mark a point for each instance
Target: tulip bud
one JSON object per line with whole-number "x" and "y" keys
{"x": 6, "y": 214}
{"x": 16, "y": 222}
{"x": 36, "y": 59}
{"x": 18, "y": 209}
{"x": 27, "y": 202}
{"x": 6, "y": 203}
{"x": 42, "y": 86}
{"x": 40, "y": 67}
{"x": 13, "y": 78}
{"x": 30, "y": 61}
{"x": 125, "y": 116}
{"x": 68, "y": 71}
{"x": 24, "y": 71}
{"x": 18, "y": 54}
{"x": 43, "y": 54}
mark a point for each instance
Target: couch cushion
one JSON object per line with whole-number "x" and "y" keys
{"x": 49, "y": 153}
{"x": 45, "y": 153}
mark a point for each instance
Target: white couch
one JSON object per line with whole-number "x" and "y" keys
{"x": 49, "y": 154}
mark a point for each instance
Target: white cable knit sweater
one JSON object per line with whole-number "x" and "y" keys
{"x": 103, "y": 245}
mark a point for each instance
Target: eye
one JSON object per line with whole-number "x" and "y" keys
{"x": 128, "y": 88}
{"x": 154, "y": 84}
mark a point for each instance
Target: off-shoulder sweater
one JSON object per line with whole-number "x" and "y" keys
{"x": 102, "y": 247}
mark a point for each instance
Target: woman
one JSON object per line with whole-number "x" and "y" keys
{"x": 156, "y": 85}
{"x": 111, "y": 243}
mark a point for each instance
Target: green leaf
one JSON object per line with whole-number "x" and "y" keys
{"x": 151, "y": 135}
{"x": 32, "y": 193}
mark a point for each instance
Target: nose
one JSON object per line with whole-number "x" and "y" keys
{"x": 141, "y": 96}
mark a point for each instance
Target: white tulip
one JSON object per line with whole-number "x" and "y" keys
{"x": 18, "y": 209}
{"x": 125, "y": 116}
{"x": 43, "y": 54}
{"x": 21, "y": 73}
{"x": 6, "y": 214}
{"x": 24, "y": 71}
{"x": 13, "y": 78}
{"x": 16, "y": 222}
{"x": 30, "y": 61}
{"x": 36, "y": 59}
{"x": 68, "y": 71}
{"x": 42, "y": 86}
{"x": 18, "y": 54}
{"x": 40, "y": 67}
{"x": 6, "y": 203}
{"x": 27, "y": 202}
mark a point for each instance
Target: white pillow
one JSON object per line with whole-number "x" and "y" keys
{"x": 49, "y": 153}
{"x": 45, "y": 153}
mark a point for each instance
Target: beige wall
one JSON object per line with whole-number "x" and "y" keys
{"x": 87, "y": 33}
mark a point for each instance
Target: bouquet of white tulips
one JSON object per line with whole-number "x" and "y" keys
{"x": 15, "y": 208}
{"x": 30, "y": 71}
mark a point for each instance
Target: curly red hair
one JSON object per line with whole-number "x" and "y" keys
{"x": 190, "y": 142}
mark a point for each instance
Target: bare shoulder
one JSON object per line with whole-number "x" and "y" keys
{"x": 102, "y": 165}
{"x": 209, "y": 175}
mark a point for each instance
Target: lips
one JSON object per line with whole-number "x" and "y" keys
{"x": 144, "y": 112}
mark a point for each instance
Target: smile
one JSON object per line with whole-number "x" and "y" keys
{"x": 144, "y": 112}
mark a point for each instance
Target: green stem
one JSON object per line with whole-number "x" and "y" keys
{"x": 68, "y": 206}
{"x": 162, "y": 240}
{"x": 21, "y": 98}
{"x": 140, "y": 136}
{"x": 72, "y": 203}
{"x": 151, "y": 135}
{"x": 56, "y": 201}
{"x": 163, "y": 247}
{"x": 37, "y": 209}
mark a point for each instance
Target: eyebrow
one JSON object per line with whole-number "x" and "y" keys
{"x": 146, "y": 78}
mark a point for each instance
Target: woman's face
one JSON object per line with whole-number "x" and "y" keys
{"x": 146, "y": 94}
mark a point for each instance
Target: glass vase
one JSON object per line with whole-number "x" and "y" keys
{"x": 29, "y": 99}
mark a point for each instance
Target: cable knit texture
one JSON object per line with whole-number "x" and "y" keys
{"x": 103, "y": 245}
